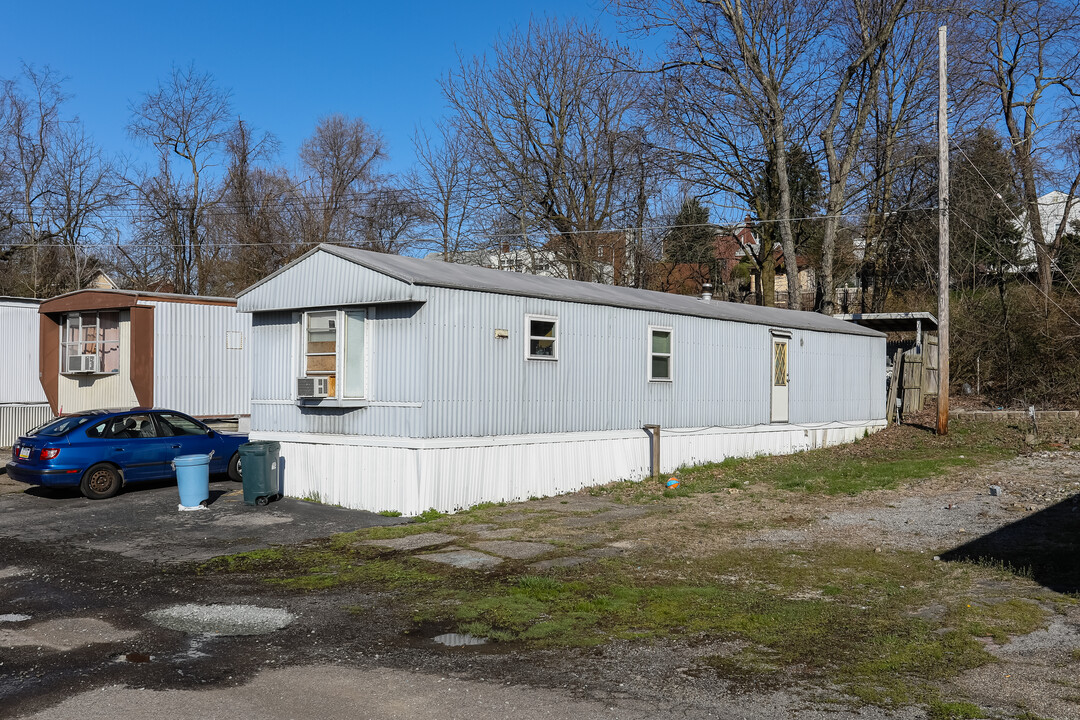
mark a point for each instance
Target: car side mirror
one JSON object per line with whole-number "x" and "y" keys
{"x": 210, "y": 433}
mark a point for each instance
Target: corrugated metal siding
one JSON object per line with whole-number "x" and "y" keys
{"x": 17, "y": 419}
{"x": 324, "y": 280}
{"x": 444, "y": 354}
{"x": 19, "y": 380}
{"x": 90, "y": 392}
{"x": 397, "y": 376}
{"x": 194, "y": 370}
{"x": 836, "y": 377}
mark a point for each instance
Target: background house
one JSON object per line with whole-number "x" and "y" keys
{"x": 22, "y": 400}
{"x": 121, "y": 348}
{"x": 401, "y": 384}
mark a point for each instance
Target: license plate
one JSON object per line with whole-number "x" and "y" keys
{"x": 24, "y": 453}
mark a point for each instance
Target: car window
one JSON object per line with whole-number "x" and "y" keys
{"x": 125, "y": 427}
{"x": 61, "y": 426}
{"x": 179, "y": 425}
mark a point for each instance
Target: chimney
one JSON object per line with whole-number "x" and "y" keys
{"x": 706, "y": 292}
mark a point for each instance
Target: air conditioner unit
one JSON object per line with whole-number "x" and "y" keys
{"x": 82, "y": 363}
{"x": 312, "y": 387}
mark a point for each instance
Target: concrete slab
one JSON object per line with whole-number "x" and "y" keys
{"x": 514, "y": 549}
{"x": 413, "y": 542}
{"x": 500, "y": 534}
{"x": 562, "y": 562}
{"x": 64, "y": 634}
{"x": 459, "y": 558}
{"x": 608, "y": 516}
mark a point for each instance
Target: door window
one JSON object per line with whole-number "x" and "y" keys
{"x": 177, "y": 425}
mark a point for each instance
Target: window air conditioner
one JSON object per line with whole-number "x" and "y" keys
{"x": 312, "y": 387}
{"x": 82, "y": 364}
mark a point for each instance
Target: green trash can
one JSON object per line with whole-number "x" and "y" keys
{"x": 259, "y": 471}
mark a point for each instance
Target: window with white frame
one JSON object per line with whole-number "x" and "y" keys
{"x": 90, "y": 342}
{"x": 541, "y": 337}
{"x": 659, "y": 354}
{"x": 334, "y": 348}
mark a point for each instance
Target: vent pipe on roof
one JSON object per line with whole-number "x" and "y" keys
{"x": 706, "y": 292}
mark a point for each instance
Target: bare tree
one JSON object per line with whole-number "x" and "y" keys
{"x": 186, "y": 118}
{"x": 865, "y": 31}
{"x": 548, "y": 117}
{"x": 739, "y": 92}
{"x": 340, "y": 161}
{"x": 55, "y": 189}
{"x": 1031, "y": 66}
{"x": 251, "y": 216}
{"x": 447, "y": 189}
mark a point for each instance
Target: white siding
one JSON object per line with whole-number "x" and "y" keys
{"x": 451, "y": 475}
{"x": 195, "y": 371}
{"x": 15, "y": 420}
{"x": 19, "y": 380}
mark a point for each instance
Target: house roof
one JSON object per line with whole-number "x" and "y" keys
{"x": 435, "y": 273}
{"x": 894, "y": 321}
{"x": 107, "y": 298}
{"x": 10, "y": 300}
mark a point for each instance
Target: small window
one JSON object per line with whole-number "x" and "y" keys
{"x": 659, "y": 354}
{"x": 543, "y": 337}
{"x": 91, "y": 343}
{"x": 335, "y": 348}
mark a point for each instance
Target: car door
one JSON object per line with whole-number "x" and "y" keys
{"x": 131, "y": 442}
{"x": 190, "y": 437}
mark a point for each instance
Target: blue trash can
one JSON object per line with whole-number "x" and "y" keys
{"x": 193, "y": 479}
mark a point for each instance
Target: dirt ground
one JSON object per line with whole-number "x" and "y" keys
{"x": 75, "y": 587}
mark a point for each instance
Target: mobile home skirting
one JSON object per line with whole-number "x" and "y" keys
{"x": 412, "y": 475}
{"x": 16, "y": 419}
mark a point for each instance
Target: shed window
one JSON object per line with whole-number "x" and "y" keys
{"x": 91, "y": 342}
{"x": 660, "y": 354}
{"x": 334, "y": 348}
{"x": 542, "y": 337}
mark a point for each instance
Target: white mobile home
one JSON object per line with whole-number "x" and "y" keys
{"x": 396, "y": 383}
{"x": 122, "y": 348}
{"x": 22, "y": 400}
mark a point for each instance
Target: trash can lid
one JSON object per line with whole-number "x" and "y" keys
{"x": 190, "y": 460}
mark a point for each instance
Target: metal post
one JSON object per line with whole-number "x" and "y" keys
{"x": 943, "y": 237}
{"x": 654, "y": 432}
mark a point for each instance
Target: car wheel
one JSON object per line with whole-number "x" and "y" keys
{"x": 100, "y": 482}
{"x": 236, "y": 471}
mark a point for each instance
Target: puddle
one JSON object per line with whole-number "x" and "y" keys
{"x": 14, "y": 617}
{"x": 134, "y": 657}
{"x": 459, "y": 640}
{"x": 221, "y": 619}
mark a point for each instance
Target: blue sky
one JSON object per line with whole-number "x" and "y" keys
{"x": 287, "y": 64}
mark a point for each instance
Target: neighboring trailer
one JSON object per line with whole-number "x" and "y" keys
{"x": 401, "y": 384}
{"x": 22, "y": 401}
{"x": 118, "y": 348}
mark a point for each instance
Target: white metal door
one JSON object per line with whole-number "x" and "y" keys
{"x": 780, "y": 378}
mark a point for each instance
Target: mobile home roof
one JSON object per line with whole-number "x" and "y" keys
{"x": 435, "y": 273}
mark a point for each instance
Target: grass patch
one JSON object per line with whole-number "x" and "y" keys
{"x": 879, "y": 462}
{"x": 836, "y": 613}
{"x": 940, "y": 710}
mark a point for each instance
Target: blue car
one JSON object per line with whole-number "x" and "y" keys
{"x": 100, "y": 451}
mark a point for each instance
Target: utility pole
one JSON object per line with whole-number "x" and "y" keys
{"x": 943, "y": 238}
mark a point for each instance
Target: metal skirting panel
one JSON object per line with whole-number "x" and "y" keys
{"x": 15, "y": 420}
{"x": 411, "y": 480}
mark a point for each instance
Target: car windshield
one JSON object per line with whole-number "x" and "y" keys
{"x": 61, "y": 426}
